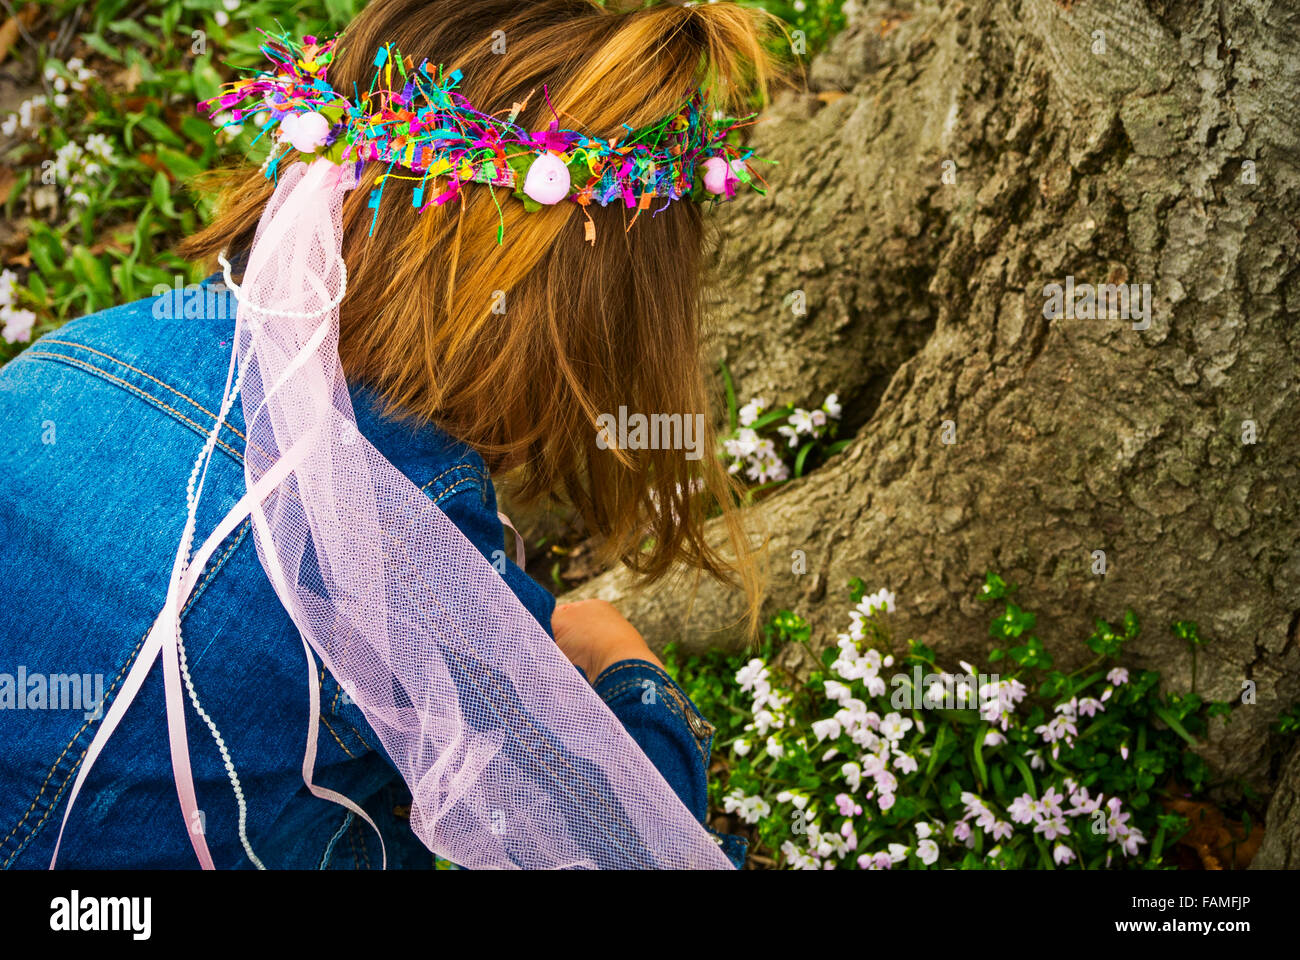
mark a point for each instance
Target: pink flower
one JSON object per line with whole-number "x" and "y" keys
{"x": 846, "y": 805}
{"x": 1129, "y": 843}
{"x": 1090, "y": 707}
{"x": 1062, "y": 854}
{"x": 1052, "y": 827}
{"x": 1024, "y": 808}
{"x": 1081, "y": 803}
{"x": 1117, "y": 677}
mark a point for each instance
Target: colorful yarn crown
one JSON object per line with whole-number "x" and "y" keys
{"x": 428, "y": 127}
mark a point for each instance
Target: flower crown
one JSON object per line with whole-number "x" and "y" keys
{"x": 428, "y": 127}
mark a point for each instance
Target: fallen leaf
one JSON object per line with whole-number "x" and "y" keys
{"x": 130, "y": 77}
{"x": 9, "y": 30}
{"x": 1219, "y": 842}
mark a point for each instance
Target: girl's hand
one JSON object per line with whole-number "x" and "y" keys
{"x": 594, "y": 635}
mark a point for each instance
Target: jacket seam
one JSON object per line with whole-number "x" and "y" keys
{"x": 476, "y": 475}
{"x": 678, "y": 709}
{"x": 161, "y": 383}
{"x": 147, "y": 397}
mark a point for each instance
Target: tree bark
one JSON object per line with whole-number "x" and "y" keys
{"x": 925, "y": 303}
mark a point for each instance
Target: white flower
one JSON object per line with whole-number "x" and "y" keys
{"x": 827, "y": 728}
{"x": 17, "y": 324}
{"x": 801, "y": 421}
{"x": 8, "y": 288}
{"x": 837, "y": 691}
{"x": 798, "y": 799}
{"x": 751, "y": 411}
{"x": 767, "y": 470}
{"x": 927, "y": 851}
{"x": 882, "y": 600}
{"x": 751, "y": 673}
{"x": 832, "y": 406}
{"x": 894, "y": 726}
{"x": 744, "y": 443}
{"x": 774, "y": 749}
{"x": 742, "y": 747}
{"x": 852, "y": 774}
{"x": 749, "y": 809}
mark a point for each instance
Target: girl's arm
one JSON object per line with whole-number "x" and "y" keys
{"x": 655, "y": 711}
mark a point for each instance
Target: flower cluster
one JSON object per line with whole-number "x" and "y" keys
{"x": 77, "y": 167}
{"x": 768, "y": 708}
{"x": 25, "y": 117}
{"x": 757, "y": 455}
{"x": 749, "y": 809}
{"x": 849, "y": 778}
{"x": 72, "y": 76}
{"x": 15, "y": 323}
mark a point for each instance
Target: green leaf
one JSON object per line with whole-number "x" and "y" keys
{"x": 1023, "y": 767}
{"x": 803, "y": 455}
{"x": 161, "y": 194}
{"x": 771, "y": 417}
{"x": 1174, "y": 725}
{"x": 978, "y": 754}
{"x": 182, "y": 167}
{"x": 92, "y": 271}
{"x": 101, "y": 46}
{"x": 160, "y": 131}
{"x": 935, "y": 750}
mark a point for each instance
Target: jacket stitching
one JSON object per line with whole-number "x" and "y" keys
{"x": 147, "y": 397}
{"x": 360, "y": 737}
{"x": 352, "y": 842}
{"x": 165, "y": 386}
{"x": 679, "y": 705}
{"x": 364, "y": 837}
{"x": 476, "y": 475}
{"x": 351, "y": 755}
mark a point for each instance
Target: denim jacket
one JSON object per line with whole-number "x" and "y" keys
{"x": 100, "y": 422}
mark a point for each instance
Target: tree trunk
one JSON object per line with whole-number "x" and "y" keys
{"x": 1161, "y": 151}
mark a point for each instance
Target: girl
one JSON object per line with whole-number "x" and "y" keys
{"x": 481, "y": 329}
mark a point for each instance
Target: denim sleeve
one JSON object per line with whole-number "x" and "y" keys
{"x": 463, "y": 501}
{"x": 671, "y": 731}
